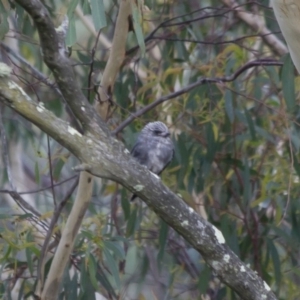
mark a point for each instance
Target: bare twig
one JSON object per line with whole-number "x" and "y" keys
{"x": 50, "y": 170}
{"x": 205, "y": 80}
{"x": 257, "y": 23}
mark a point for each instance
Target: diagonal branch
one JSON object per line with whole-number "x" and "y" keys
{"x": 109, "y": 159}
{"x": 58, "y": 62}
{"x": 257, "y": 23}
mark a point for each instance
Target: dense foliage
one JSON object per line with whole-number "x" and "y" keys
{"x": 228, "y": 96}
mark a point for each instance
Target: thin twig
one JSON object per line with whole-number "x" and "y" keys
{"x": 41, "y": 189}
{"x": 50, "y": 170}
{"x": 205, "y": 80}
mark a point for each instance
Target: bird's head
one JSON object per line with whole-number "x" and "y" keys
{"x": 157, "y": 128}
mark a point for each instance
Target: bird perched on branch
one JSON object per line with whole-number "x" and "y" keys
{"x": 153, "y": 148}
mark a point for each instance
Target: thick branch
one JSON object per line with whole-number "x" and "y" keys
{"x": 287, "y": 14}
{"x": 115, "y": 60}
{"x": 257, "y": 23}
{"x": 58, "y": 62}
{"x": 112, "y": 161}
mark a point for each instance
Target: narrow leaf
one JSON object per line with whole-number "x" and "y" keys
{"x": 37, "y": 173}
{"x": 112, "y": 265}
{"x": 229, "y": 105}
{"x": 131, "y": 222}
{"x": 115, "y": 248}
{"x": 250, "y": 124}
{"x": 276, "y": 261}
{"x": 162, "y": 239}
{"x": 98, "y": 14}
{"x": 4, "y": 27}
{"x": 136, "y": 16}
{"x": 288, "y": 83}
{"x": 71, "y": 34}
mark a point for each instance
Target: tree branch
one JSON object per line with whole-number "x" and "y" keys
{"x": 58, "y": 62}
{"x": 257, "y": 23}
{"x": 287, "y": 14}
{"x": 109, "y": 159}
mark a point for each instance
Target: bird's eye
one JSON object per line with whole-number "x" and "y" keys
{"x": 157, "y": 132}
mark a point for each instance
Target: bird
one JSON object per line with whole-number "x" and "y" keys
{"x": 153, "y": 148}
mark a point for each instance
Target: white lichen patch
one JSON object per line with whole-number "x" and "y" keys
{"x": 138, "y": 187}
{"x": 219, "y": 236}
{"x": 242, "y": 269}
{"x": 73, "y": 131}
{"x": 266, "y": 286}
{"x": 263, "y": 297}
{"x": 40, "y": 107}
{"x": 126, "y": 151}
{"x": 226, "y": 258}
{"x": 13, "y": 86}
{"x": 199, "y": 224}
{"x": 5, "y": 70}
{"x": 216, "y": 265}
{"x": 185, "y": 223}
{"x": 82, "y": 108}
{"x": 89, "y": 142}
{"x": 191, "y": 210}
{"x": 63, "y": 28}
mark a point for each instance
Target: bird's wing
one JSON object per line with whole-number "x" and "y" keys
{"x": 171, "y": 158}
{"x": 139, "y": 153}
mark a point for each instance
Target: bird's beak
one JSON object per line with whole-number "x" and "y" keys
{"x": 167, "y": 134}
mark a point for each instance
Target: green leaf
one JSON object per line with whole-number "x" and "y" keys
{"x": 102, "y": 278}
{"x": 276, "y": 261}
{"x": 92, "y": 269}
{"x": 37, "y": 173}
{"x": 296, "y": 164}
{"x": 4, "y": 26}
{"x": 20, "y": 13}
{"x": 72, "y": 289}
{"x": 57, "y": 168}
{"x": 29, "y": 256}
{"x": 251, "y": 126}
{"x": 98, "y": 14}
{"x": 72, "y": 6}
{"x": 136, "y": 17}
{"x": 162, "y": 240}
{"x": 125, "y": 203}
{"x": 288, "y": 83}
{"x": 86, "y": 7}
{"x": 229, "y": 105}
{"x": 211, "y": 143}
{"x": 246, "y": 182}
{"x": 131, "y": 221}
{"x": 71, "y": 37}
{"x": 115, "y": 248}
{"x": 87, "y": 289}
{"x": 112, "y": 265}
{"x": 204, "y": 280}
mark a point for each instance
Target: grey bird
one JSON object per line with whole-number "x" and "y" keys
{"x": 153, "y": 148}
